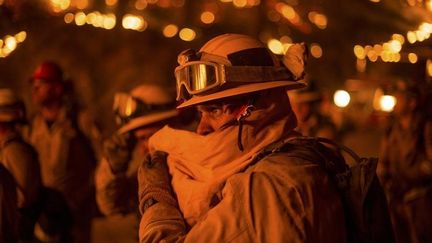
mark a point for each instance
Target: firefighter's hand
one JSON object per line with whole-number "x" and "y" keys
{"x": 154, "y": 182}
{"x": 117, "y": 151}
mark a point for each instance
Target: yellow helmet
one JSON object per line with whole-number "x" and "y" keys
{"x": 11, "y": 107}
{"x": 146, "y": 104}
{"x": 234, "y": 64}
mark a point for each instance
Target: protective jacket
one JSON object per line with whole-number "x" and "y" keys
{"x": 66, "y": 156}
{"x": 406, "y": 172}
{"x": 224, "y": 197}
{"x": 67, "y": 162}
{"x": 8, "y": 207}
{"x": 279, "y": 199}
{"x": 116, "y": 193}
{"x": 21, "y": 160}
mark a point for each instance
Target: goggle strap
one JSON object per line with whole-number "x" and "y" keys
{"x": 249, "y": 74}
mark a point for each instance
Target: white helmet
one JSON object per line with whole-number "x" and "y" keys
{"x": 11, "y": 107}
{"x": 234, "y": 64}
{"x": 144, "y": 105}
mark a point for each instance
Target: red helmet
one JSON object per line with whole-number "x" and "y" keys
{"x": 48, "y": 71}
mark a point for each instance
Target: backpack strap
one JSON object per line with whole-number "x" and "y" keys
{"x": 313, "y": 149}
{"x": 367, "y": 218}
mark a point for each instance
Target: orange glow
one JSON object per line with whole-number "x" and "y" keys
{"x": 311, "y": 16}
{"x": 187, "y": 34}
{"x": 170, "y": 30}
{"x": 429, "y": 5}
{"x": 134, "y": 22}
{"x": 109, "y": 21}
{"x": 288, "y": 12}
{"x": 386, "y": 56}
{"x": 397, "y": 57}
{"x": 10, "y": 43}
{"x": 286, "y": 39}
{"x": 429, "y": 68}
{"x": 69, "y": 18}
{"x": 321, "y": 21}
{"x": 378, "y": 48}
{"x": 395, "y": 46}
{"x": 254, "y": 2}
{"x": 341, "y": 98}
{"x": 399, "y": 38}
{"x": 207, "y": 17}
{"x": 21, "y": 36}
{"x": 141, "y": 4}
{"x": 275, "y": 46}
{"x": 316, "y": 50}
{"x": 111, "y": 2}
{"x": 81, "y": 4}
{"x": 372, "y": 55}
{"x": 240, "y": 3}
{"x": 59, "y": 5}
{"x": 411, "y": 36}
{"x": 80, "y": 18}
{"x": 412, "y": 57}
{"x": 359, "y": 52}
{"x": 361, "y": 65}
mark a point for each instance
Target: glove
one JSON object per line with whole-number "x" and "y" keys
{"x": 154, "y": 182}
{"x": 117, "y": 151}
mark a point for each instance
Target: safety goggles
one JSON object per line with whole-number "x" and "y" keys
{"x": 127, "y": 107}
{"x": 197, "y": 77}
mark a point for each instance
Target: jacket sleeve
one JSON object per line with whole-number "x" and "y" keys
{"x": 250, "y": 210}
{"x": 164, "y": 223}
{"x": 22, "y": 162}
{"x": 115, "y": 193}
{"x": 420, "y": 172}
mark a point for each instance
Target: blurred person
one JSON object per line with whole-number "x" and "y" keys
{"x": 310, "y": 122}
{"x": 246, "y": 175}
{"x": 62, "y": 134}
{"x": 8, "y": 207}
{"x": 20, "y": 159}
{"x": 406, "y": 164}
{"x": 142, "y": 112}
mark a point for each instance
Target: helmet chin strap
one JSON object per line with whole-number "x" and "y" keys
{"x": 244, "y": 113}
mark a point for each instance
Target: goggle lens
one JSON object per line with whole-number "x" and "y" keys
{"x": 196, "y": 78}
{"x": 201, "y": 77}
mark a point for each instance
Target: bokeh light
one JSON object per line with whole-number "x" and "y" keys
{"x": 187, "y": 34}
{"x": 316, "y": 50}
{"x": 69, "y": 18}
{"x": 275, "y": 46}
{"x": 134, "y": 22}
{"x": 412, "y": 57}
{"x": 341, "y": 98}
{"x": 359, "y": 52}
{"x": 111, "y": 2}
{"x": 170, "y": 30}
{"x": 21, "y": 36}
{"x": 207, "y": 17}
{"x": 387, "y": 103}
{"x": 240, "y": 3}
{"x": 80, "y": 18}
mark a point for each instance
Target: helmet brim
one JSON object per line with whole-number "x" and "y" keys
{"x": 243, "y": 89}
{"x": 146, "y": 120}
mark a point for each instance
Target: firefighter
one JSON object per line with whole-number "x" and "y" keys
{"x": 64, "y": 135}
{"x": 20, "y": 159}
{"x": 235, "y": 179}
{"x": 406, "y": 163}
